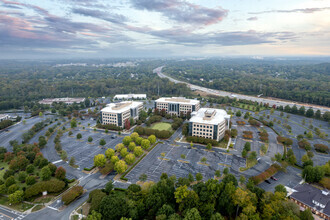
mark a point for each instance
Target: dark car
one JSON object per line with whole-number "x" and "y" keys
{"x": 267, "y": 181}
{"x": 273, "y": 178}
{"x": 113, "y": 136}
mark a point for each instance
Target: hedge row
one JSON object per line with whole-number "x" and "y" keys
{"x": 266, "y": 174}
{"x": 202, "y": 140}
{"x": 254, "y": 122}
{"x": 72, "y": 194}
{"x": 49, "y": 186}
{"x": 321, "y": 148}
{"x": 5, "y": 124}
{"x": 148, "y": 131}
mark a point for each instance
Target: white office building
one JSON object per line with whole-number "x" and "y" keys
{"x": 118, "y": 113}
{"x": 130, "y": 96}
{"x": 209, "y": 123}
{"x": 176, "y": 105}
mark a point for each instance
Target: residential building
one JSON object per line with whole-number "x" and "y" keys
{"x": 118, "y": 113}
{"x": 176, "y": 105}
{"x": 130, "y": 96}
{"x": 209, "y": 123}
{"x": 68, "y": 101}
{"x": 4, "y": 117}
{"x": 317, "y": 200}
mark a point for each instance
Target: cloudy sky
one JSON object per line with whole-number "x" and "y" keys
{"x": 163, "y": 28}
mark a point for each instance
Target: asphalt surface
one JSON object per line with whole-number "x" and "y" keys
{"x": 7, "y": 214}
{"x": 240, "y": 96}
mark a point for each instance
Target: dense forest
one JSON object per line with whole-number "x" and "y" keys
{"x": 24, "y": 82}
{"x": 301, "y": 81}
{"x": 190, "y": 199}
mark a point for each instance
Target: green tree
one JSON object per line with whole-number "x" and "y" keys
{"x": 203, "y": 160}
{"x": 114, "y": 159}
{"x": 102, "y": 142}
{"x": 16, "y": 197}
{"x": 280, "y": 188}
{"x": 134, "y": 136}
{"x": 127, "y": 140}
{"x": 209, "y": 146}
{"x": 99, "y": 160}
{"x": 109, "y": 153}
{"x": 226, "y": 171}
{"x": 42, "y": 141}
{"x": 72, "y": 161}
{"x": 45, "y": 173}
{"x": 108, "y": 187}
{"x": 242, "y": 179}
{"x": 120, "y": 166}
{"x": 131, "y": 146}
{"x": 123, "y": 152}
{"x": 145, "y": 144}
{"x": 60, "y": 173}
{"x": 79, "y": 136}
{"x": 217, "y": 173}
{"x": 138, "y": 151}
{"x": 152, "y": 139}
{"x": 90, "y": 139}
{"x": 73, "y": 123}
{"x": 30, "y": 180}
{"x": 70, "y": 133}
{"x": 193, "y": 214}
{"x": 130, "y": 158}
{"x": 22, "y": 175}
{"x": 199, "y": 176}
{"x": 238, "y": 113}
{"x": 306, "y": 215}
{"x": 310, "y": 113}
{"x": 143, "y": 177}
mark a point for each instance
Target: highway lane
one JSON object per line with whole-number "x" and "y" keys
{"x": 271, "y": 101}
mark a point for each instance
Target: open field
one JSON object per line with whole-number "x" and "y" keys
{"x": 162, "y": 126}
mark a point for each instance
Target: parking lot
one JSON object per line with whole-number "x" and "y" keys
{"x": 82, "y": 150}
{"x": 153, "y": 165}
{"x": 290, "y": 179}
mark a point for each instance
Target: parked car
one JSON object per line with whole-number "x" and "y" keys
{"x": 273, "y": 178}
{"x": 113, "y": 136}
{"x": 267, "y": 181}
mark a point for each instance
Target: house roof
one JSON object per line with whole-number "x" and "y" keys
{"x": 209, "y": 116}
{"x": 313, "y": 197}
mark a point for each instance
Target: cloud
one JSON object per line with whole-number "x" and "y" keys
{"x": 299, "y": 10}
{"x": 182, "y": 11}
{"x": 107, "y": 16}
{"x": 252, "y": 19}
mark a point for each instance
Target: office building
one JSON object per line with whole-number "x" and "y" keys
{"x": 68, "y": 101}
{"x": 4, "y": 117}
{"x": 118, "y": 113}
{"x": 176, "y": 105}
{"x": 130, "y": 96}
{"x": 209, "y": 123}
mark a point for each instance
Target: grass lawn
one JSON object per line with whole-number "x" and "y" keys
{"x": 5, "y": 167}
{"x": 19, "y": 207}
{"x": 161, "y": 126}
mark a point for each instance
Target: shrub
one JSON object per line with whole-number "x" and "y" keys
{"x": 254, "y": 122}
{"x": 109, "y": 127}
{"x": 71, "y": 195}
{"x": 321, "y": 148}
{"x": 51, "y": 186}
{"x": 305, "y": 144}
{"x": 266, "y": 174}
{"x": 201, "y": 140}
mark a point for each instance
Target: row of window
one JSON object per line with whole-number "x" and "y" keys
{"x": 203, "y": 126}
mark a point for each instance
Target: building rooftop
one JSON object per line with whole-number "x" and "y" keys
{"x": 3, "y": 115}
{"x": 313, "y": 197}
{"x": 130, "y": 96}
{"x": 121, "y": 106}
{"x": 65, "y": 100}
{"x": 179, "y": 100}
{"x": 209, "y": 116}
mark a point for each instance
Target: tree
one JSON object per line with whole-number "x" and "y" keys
{"x": 242, "y": 179}
{"x": 301, "y": 110}
{"x": 134, "y": 136}
{"x": 306, "y": 215}
{"x": 114, "y": 159}
{"x": 123, "y": 152}
{"x": 217, "y": 173}
{"x": 127, "y": 124}
{"x": 70, "y": 133}
{"x": 73, "y": 123}
{"x": 145, "y": 144}
{"x": 99, "y": 160}
{"x": 90, "y": 139}
{"x": 199, "y": 176}
{"x": 138, "y": 151}
{"x": 209, "y": 146}
{"x": 45, "y": 173}
{"x": 226, "y": 171}
{"x": 109, "y": 153}
{"x": 16, "y": 197}
{"x": 238, "y": 113}
{"x": 113, "y": 207}
{"x": 143, "y": 177}
{"x": 40, "y": 114}
{"x": 120, "y": 166}
{"x": 131, "y": 146}
{"x": 102, "y": 142}
{"x": 203, "y": 160}
{"x": 130, "y": 158}
{"x": 72, "y": 161}
{"x": 30, "y": 180}
{"x": 310, "y": 113}
{"x": 152, "y": 139}
{"x": 183, "y": 156}
{"x": 60, "y": 173}
{"x": 192, "y": 214}
{"x": 22, "y": 175}
{"x": 64, "y": 155}
{"x": 318, "y": 114}
{"x": 280, "y": 188}
{"x": 42, "y": 141}
{"x": 309, "y": 135}
{"x": 247, "y": 146}
{"x": 108, "y": 187}
{"x": 79, "y": 136}
{"x": 127, "y": 140}
{"x": 244, "y": 153}
{"x": 119, "y": 147}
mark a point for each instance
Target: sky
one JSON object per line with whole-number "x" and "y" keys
{"x": 163, "y": 28}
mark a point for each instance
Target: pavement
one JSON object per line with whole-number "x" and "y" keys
{"x": 8, "y": 214}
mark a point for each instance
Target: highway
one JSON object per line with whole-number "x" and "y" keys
{"x": 271, "y": 101}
